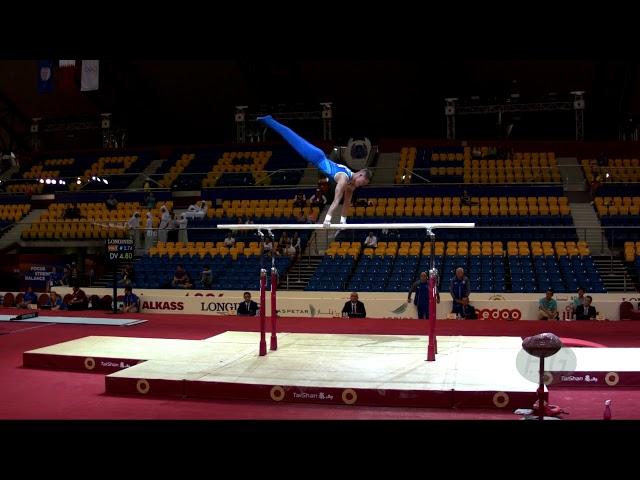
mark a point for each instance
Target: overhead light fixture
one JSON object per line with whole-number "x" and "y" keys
{"x": 93, "y": 178}
{"x": 42, "y": 180}
{"x": 78, "y": 181}
{"x": 105, "y": 181}
{"x": 48, "y": 181}
{"x": 54, "y": 181}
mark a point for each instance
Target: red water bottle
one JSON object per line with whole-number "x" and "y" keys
{"x": 607, "y": 410}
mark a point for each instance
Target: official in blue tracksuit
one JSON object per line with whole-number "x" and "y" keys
{"x": 421, "y": 299}
{"x": 460, "y": 288}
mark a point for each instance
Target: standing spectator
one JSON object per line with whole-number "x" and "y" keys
{"x": 172, "y": 229}
{"x": 133, "y": 226}
{"x": 547, "y": 307}
{"x": 371, "y": 241}
{"x": 295, "y": 242}
{"x": 586, "y": 311}
{"x": 248, "y": 308}
{"x": 74, "y": 275}
{"x": 579, "y": 300}
{"x": 354, "y": 308}
{"x": 28, "y": 298}
{"x": 460, "y": 288}
{"x": 206, "y": 277}
{"x": 165, "y": 217}
{"x": 150, "y": 232}
{"x": 182, "y": 228}
{"x": 150, "y": 200}
{"x": 131, "y": 302}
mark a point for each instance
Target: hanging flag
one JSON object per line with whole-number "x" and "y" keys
{"x": 45, "y": 76}
{"x": 90, "y": 75}
{"x": 66, "y": 75}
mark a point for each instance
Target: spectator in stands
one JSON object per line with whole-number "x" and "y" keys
{"x": 197, "y": 210}
{"x": 74, "y": 275}
{"x": 172, "y": 228}
{"x": 78, "y": 300}
{"x": 301, "y": 217}
{"x": 131, "y": 302}
{"x": 579, "y": 300}
{"x": 323, "y": 185}
{"x": 66, "y": 275}
{"x": 300, "y": 200}
{"x": 111, "y": 203}
{"x": 312, "y": 216}
{"x": 180, "y": 277}
{"x": 165, "y": 218}
{"x": 295, "y": 242}
{"x": 602, "y": 160}
{"x": 202, "y": 209}
{"x": 128, "y": 276}
{"x": 182, "y": 228}
{"x": 133, "y": 226}
{"x": 55, "y": 278}
{"x": 267, "y": 246}
{"x": 229, "y": 240}
{"x": 586, "y": 311}
{"x": 146, "y": 187}
{"x": 206, "y": 277}
{"x": 467, "y": 312}
{"x": 465, "y": 199}
{"x": 150, "y": 232}
{"x": 460, "y": 288}
{"x": 354, "y": 308}
{"x": 346, "y": 180}
{"x": 290, "y": 250}
{"x": 28, "y": 298}
{"x": 594, "y": 187}
{"x": 248, "y": 308}
{"x": 72, "y": 211}
{"x": 318, "y": 199}
{"x": 548, "y": 307}
{"x": 150, "y": 200}
{"x": 54, "y": 302}
{"x": 371, "y": 241}
{"x": 284, "y": 240}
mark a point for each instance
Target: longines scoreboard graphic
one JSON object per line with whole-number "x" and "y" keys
{"x": 119, "y": 249}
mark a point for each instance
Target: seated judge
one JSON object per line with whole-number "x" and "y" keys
{"x": 354, "y": 308}
{"x": 586, "y": 311}
{"x": 248, "y": 308}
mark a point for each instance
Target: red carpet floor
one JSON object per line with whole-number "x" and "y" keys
{"x": 46, "y": 394}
